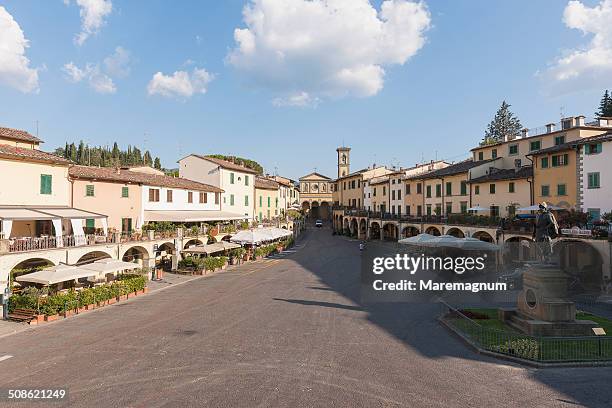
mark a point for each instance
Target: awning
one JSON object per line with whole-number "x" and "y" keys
{"x": 45, "y": 213}
{"x": 192, "y": 216}
{"x": 56, "y": 274}
{"x": 536, "y": 207}
{"x": 110, "y": 266}
{"x": 259, "y": 235}
{"x": 212, "y": 248}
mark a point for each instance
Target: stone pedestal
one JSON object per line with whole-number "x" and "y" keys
{"x": 543, "y": 306}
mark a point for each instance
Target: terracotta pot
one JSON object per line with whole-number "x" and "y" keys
{"x": 90, "y": 307}
{"x": 39, "y": 318}
{"x": 81, "y": 310}
{"x": 141, "y": 291}
{"x": 146, "y": 290}
{"x": 111, "y": 301}
{"x": 51, "y": 318}
{"x": 122, "y": 297}
{"x": 68, "y": 313}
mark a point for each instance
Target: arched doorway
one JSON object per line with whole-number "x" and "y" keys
{"x": 362, "y": 227}
{"x": 29, "y": 266}
{"x": 354, "y": 227}
{"x": 390, "y": 232}
{"x": 315, "y": 210}
{"x": 483, "y": 236}
{"x": 409, "y": 231}
{"x": 346, "y": 230}
{"x": 431, "y": 230}
{"x": 324, "y": 210}
{"x": 137, "y": 254}
{"x": 92, "y": 257}
{"x": 375, "y": 230}
{"x": 456, "y": 232}
{"x": 192, "y": 242}
{"x": 306, "y": 207}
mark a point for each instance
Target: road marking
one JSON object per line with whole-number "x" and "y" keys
{"x": 5, "y": 357}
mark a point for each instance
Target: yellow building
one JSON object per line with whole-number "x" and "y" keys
{"x": 315, "y": 195}
{"x": 555, "y": 175}
{"x": 502, "y": 191}
{"x": 267, "y": 206}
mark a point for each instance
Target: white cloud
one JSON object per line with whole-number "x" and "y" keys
{"x": 592, "y": 63}
{"x": 15, "y": 68}
{"x": 312, "y": 49}
{"x": 98, "y": 80}
{"x": 301, "y": 99}
{"x": 118, "y": 64}
{"x": 92, "y": 14}
{"x": 181, "y": 84}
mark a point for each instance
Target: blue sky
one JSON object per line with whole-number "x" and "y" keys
{"x": 436, "y": 103}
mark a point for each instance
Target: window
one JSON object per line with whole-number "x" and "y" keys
{"x": 399, "y": 194}
{"x": 560, "y": 160}
{"x": 261, "y": 201}
{"x": 268, "y": 201}
{"x": 419, "y": 188}
{"x": 494, "y": 211}
{"x": 449, "y": 188}
{"x": 535, "y": 145}
{"x": 276, "y": 202}
{"x": 592, "y": 148}
{"x": 246, "y": 201}
{"x": 494, "y": 154}
{"x": 594, "y": 214}
{"x": 593, "y": 180}
{"x": 231, "y": 178}
{"x": 428, "y": 194}
{"x": 190, "y": 197}
{"x": 384, "y": 190}
{"x": 476, "y": 190}
{"x": 545, "y": 191}
{"x": 561, "y": 191}
{"x": 464, "y": 207}
{"x": 419, "y": 210}
{"x": 393, "y": 194}
{"x": 125, "y": 192}
{"x": 407, "y": 189}
{"x": 153, "y": 195}
{"x": 45, "y": 183}
{"x": 407, "y": 210}
{"x": 464, "y": 188}
{"x": 480, "y": 155}
{"x": 126, "y": 225}
{"x": 217, "y": 198}
{"x": 231, "y": 199}
{"x": 246, "y": 180}
{"x": 511, "y": 187}
{"x": 90, "y": 225}
{"x": 374, "y": 192}
{"x": 566, "y": 124}
{"x": 428, "y": 209}
{"x": 203, "y": 198}
{"x": 559, "y": 140}
{"x": 492, "y": 188}
{"x": 260, "y": 217}
{"x": 544, "y": 162}
{"x": 89, "y": 190}
{"x": 449, "y": 208}
{"x": 168, "y": 196}
{"x": 438, "y": 190}
{"x": 513, "y": 150}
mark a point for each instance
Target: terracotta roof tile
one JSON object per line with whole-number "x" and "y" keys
{"x": 227, "y": 164}
{"x": 262, "y": 182}
{"x": 505, "y": 174}
{"x": 17, "y": 134}
{"x": 128, "y": 176}
{"x": 21, "y": 153}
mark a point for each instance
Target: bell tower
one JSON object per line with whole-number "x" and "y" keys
{"x": 344, "y": 155}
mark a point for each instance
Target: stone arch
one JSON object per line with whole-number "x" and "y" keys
{"x": 346, "y": 226}
{"x": 354, "y": 226}
{"x": 410, "y": 231}
{"x": 169, "y": 247}
{"x": 192, "y": 242}
{"x": 519, "y": 249}
{"x": 92, "y": 257}
{"x": 305, "y": 206}
{"x": 136, "y": 254}
{"x": 432, "y": 230}
{"x": 390, "y": 232}
{"x": 30, "y": 265}
{"x": 456, "y": 232}
{"x": 324, "y": 210}
{"x": 226, "y": 238}
{"x": 375, "y": 230}
{"x": 363, "y": 226}
{"x": 483, "y": 236}
{"x": 582, "y": 261}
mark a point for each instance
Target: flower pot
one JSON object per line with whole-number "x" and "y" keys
{"x": 68, "y": 313}
{"x": 39, "y": 318}
{"x": 122, "y": 297}
{"x": 112, "y": 301}
{"x": 141, "y": 292}
{"x": 90, "y": 307}
{"x": 145, "y": 290}
{"x": 81, "y": 310}
{"x": 51, "y": 318}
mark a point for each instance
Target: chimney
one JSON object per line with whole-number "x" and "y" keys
{"x": 580, "y": 120}
{"x": 550, "y": 128}
{"x": 525, "y": 133}
{"x": 604, "y": 122}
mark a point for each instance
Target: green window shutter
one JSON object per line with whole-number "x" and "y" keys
{"x": 246, "y": 180}
{"x": 492, "y": 188}
{"x": 587, "y": 149}
{"x": 125, "y": 192}
{"x": 276, "y": 202}
{"x": 544, "y": 162}
{"x": 565, "y": 159}
{"x": 561, "y": 190}
{"x": 231, "y": 178}
{"x": 90, "y": 223}
{"x": 463, "y": 188}
{"x": 231, "y": 199}
{"x": 246, "y": 200}
{"x": 268, "y": 201}
{"x": 477, "y": 190}
{"x": 260, "y": 201}
{"x": 449, "y": 189}
{"x": 511, "y": 187}
{"x": 45, "y": 184}
{"x": 89, "y": 190}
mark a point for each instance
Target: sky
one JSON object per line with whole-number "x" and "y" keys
{"x": 285, "y": 82}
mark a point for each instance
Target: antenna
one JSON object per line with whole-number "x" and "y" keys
{"x": 562, "y": 111}
{"x": 36, "y": 127}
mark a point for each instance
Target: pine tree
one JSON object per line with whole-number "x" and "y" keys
{"x": 157, "y": 164}
{"x": 147, "y": 160}
{"x": 605, "y": 106}
{"x": 504, "y": 124}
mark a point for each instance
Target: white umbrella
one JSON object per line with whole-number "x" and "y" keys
{"x": 56, "y": 274}
{"x": 110, "y": 266}
{"x": 536, "y": 207}
{"x": 478, "y": 208}
{"x": 474, "y": 244}
{"x": 417, "y": 240}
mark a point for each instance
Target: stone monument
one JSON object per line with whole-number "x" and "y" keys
{"x": 543, "y": 305}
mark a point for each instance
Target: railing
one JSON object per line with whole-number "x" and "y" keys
{"x": 536, "y": 348}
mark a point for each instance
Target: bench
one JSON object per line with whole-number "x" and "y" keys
{"x": 22, "y": 315}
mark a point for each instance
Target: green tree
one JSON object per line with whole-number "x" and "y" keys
{"x": 157, "y": 164}
{"x": 504, "y": 124}
{"x": 147, "y": 160}
{"x": 605, "y": 105}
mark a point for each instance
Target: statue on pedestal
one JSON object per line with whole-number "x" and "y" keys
{"x": 546, "y": 229}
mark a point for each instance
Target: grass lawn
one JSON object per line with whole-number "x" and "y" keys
{"x": 493, "y": 334}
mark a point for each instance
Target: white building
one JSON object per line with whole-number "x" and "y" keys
{"x": 236, "y": 180}
{"x": 595, "y": 190}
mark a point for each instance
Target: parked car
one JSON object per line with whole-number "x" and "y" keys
{"x": 318, "y": 223}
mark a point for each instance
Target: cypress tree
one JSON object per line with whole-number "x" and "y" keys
{"x": 605, "y": 105}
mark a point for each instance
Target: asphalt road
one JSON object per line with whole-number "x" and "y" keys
{"x": 287, "y": 332}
